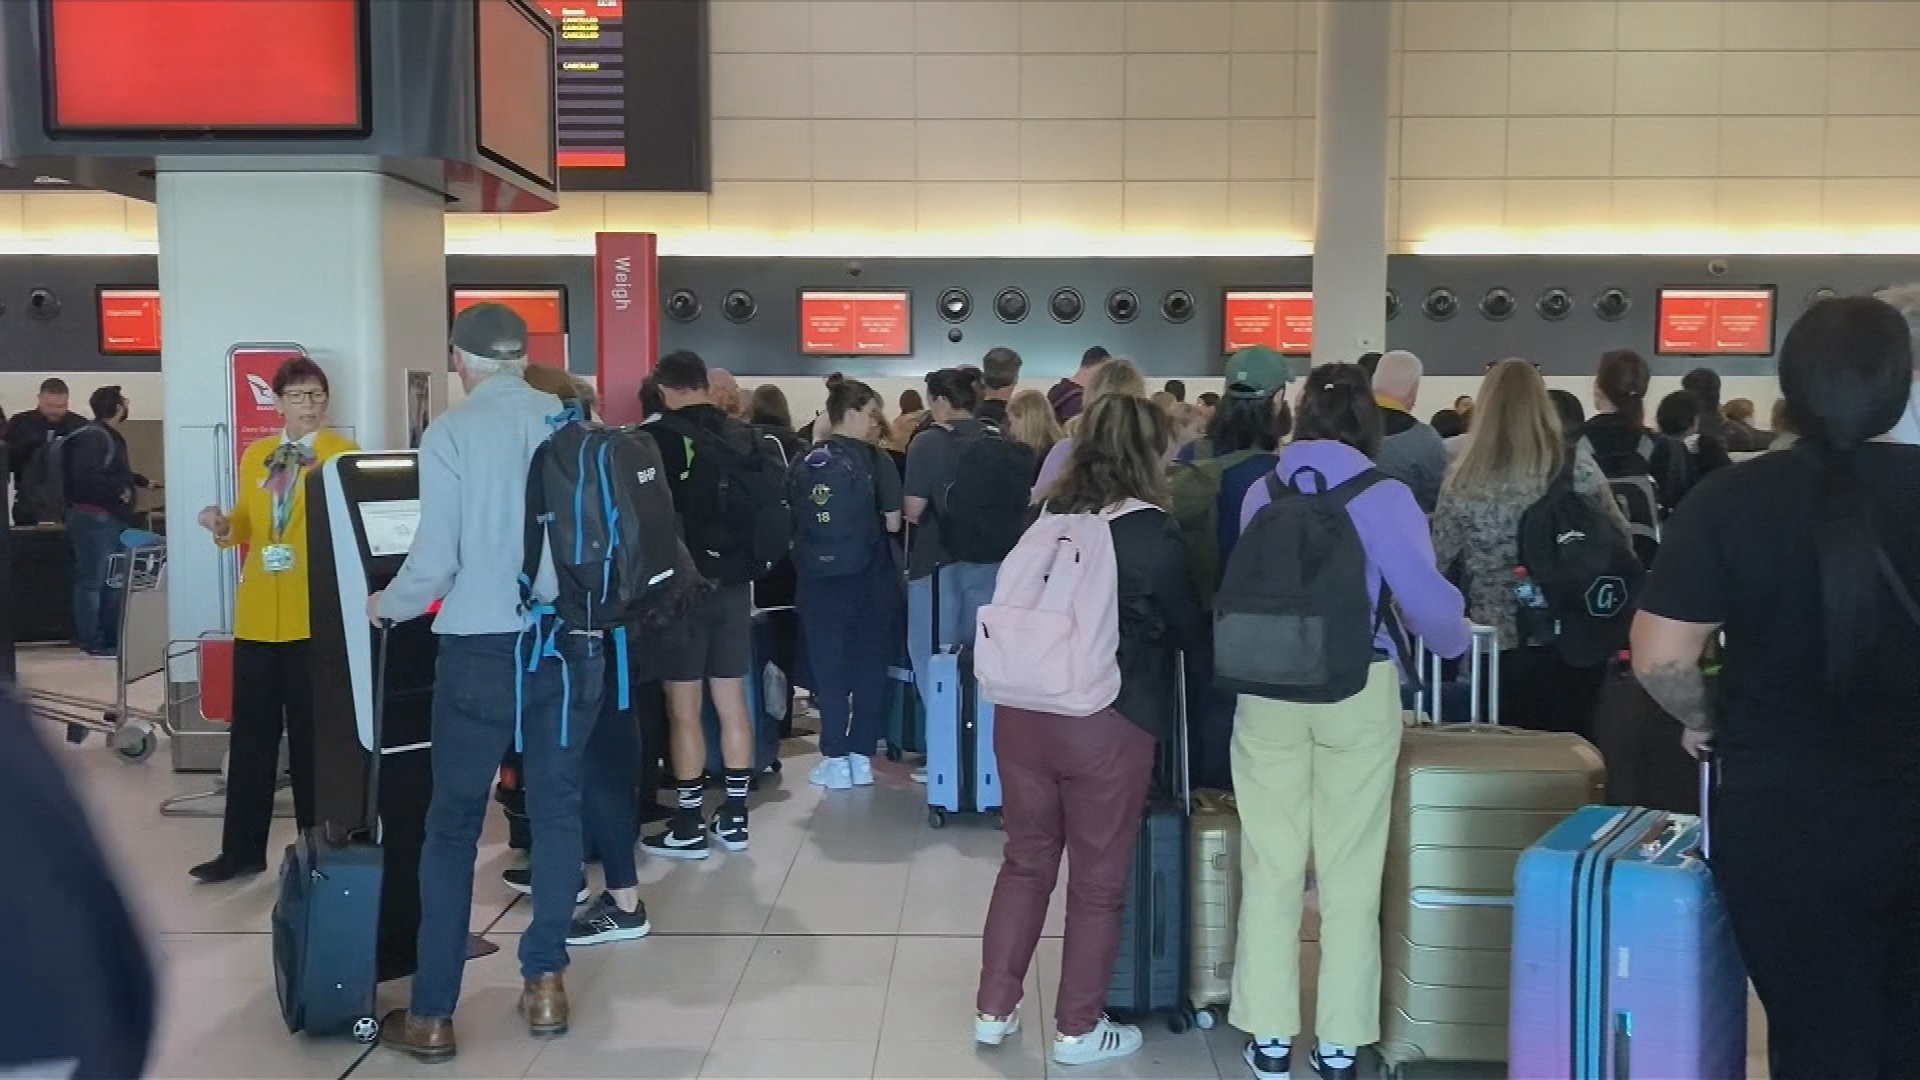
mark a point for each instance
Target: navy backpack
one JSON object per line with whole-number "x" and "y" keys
{"x": 836, "y": 519}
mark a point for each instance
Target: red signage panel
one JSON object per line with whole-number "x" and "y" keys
{"x": 1715, "y": 322}
{"x": 626, "y": 320}
{"x": 545, "y": 312}
{"x": 1280, "y": 319}
{"x": 204, "y": 65}
{"x": 129, "y": 322}
{"x": 856, "y": 323}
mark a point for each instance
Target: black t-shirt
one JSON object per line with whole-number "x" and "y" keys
{"x": 932, "y": 462}
{"x": 1740, "y": 552}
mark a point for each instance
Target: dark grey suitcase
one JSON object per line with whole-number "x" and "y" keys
{"x": 1150, "y": 972}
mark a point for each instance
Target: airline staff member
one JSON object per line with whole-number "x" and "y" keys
{"x": 272, "y": 691}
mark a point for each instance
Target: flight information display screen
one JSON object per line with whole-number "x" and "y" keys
{"x": 592, "y": 103}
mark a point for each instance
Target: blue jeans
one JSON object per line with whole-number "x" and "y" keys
{"x": 473, "y": 722}
{"x": 851, "y": 625}
{"x": 610, "y": 812}
{"x": 964, "y": 587}
{"x": 96, "y": 608}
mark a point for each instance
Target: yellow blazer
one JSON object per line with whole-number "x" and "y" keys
{"x": 273, "y": 607}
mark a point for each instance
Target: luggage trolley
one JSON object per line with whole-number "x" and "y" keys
{"x": 139, "y": 572}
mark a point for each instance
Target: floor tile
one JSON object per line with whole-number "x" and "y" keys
{"x": 757, "y": 1060}
{"x": 799, "y": 1012}
{"x": 821, "y": 961}
{"x": 1019, "y": 1058}
{"x": 574, "y": 1057}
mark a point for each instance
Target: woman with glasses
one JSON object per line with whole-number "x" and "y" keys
{"x": 271, "y": 688}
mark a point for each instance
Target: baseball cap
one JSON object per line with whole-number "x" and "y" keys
{"x": 490, "y": 330}
{"x": 1257, "y": 372}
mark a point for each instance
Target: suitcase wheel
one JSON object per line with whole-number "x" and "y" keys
{"x": 366, "y": 1029}
{"x": 999, "y": 821}
{"x": 1180, "y": 1020}
{"x": 893, "y": 753}
{"x": 1209, "y": 1018}
{"x": 937, "y": 816}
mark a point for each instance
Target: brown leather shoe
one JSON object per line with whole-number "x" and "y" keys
{"x": 422, "y": 1038}
{"x": 544, "y": 1004}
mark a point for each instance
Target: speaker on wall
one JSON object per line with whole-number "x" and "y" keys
{"x": 43, "y": 303}
{"x": 1612, "y": 303}
{"x": 1497, "y": 304}
{"x": 683, "y": 305}
{"x": 1011, "y": 306}
{"x": 955, "y": 304}
{"x": 1065, "y": 305}
{"x": 1440, "y": 304}
{"x": 1554, "y": 304}
{"x": 1177, "y": 306}
{"x": 1123, "y": 306}
{"x": 1393, "y": 305}
{"x": 739, "y": 306}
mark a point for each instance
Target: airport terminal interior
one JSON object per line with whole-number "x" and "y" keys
{"x": 795, "y": 189}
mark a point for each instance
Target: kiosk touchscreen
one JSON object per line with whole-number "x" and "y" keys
{"x": 362, "y": 510}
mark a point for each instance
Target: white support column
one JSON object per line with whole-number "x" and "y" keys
{"x": 351, "y": 265}
{"x": 1350, "y": 180}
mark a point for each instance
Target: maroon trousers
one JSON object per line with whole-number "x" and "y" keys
{"x": 1067, "y": 783}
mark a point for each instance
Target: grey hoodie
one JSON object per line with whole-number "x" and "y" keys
{"x": 1414, "y": 454}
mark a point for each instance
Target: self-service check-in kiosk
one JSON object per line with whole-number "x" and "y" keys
{"x": 362, "y": 510}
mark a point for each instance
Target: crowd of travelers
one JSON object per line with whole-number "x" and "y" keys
{"x": 1792, "y": 569}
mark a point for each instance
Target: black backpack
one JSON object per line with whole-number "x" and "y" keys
{"x": 984, "y": 511}
{"x": 1644, "y": 500}
{"x": 1293, "y": 619}
{"x": 1589, "y": 574}
{"x": 738, "y": 523}
{"x": 837, "y": 530}
{"x": 43, "y": 482}
{"x": 598, "y": 497}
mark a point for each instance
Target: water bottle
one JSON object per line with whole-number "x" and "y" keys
{"x": 1535, "y": 619}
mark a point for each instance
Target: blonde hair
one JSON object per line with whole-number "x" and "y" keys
{"x": 1119, "y": 453}
{"x": 1116, "y": 376}
{"x": 1516, "y": 433}
{"x": 1188, "y": 423}
{"x": 1030, "y": 421}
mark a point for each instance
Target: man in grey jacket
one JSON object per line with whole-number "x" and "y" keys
{"x": 1410, "y": 451}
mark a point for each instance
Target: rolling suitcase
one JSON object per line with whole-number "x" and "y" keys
{"x": 906, "y": 715}
{"x": 1624, "y": 962}
{"x": 1150, "y": 971}
{"x": 326, "y": 920}
{"x": 962, "y": 774}
{"x": 1467, "y": 800}
{"x": 1214, "y": 876}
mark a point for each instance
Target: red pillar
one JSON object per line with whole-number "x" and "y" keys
{"x": 626, "y": 315}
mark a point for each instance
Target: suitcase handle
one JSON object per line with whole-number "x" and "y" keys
{"x": 384, "y": 630}
{"x": 1483, "y": 676}
{"x": 1709, "y": 779}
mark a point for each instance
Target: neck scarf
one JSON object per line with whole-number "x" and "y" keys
{"x": 284, "y": 466}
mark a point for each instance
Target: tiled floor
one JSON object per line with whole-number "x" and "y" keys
{"x": 845, "y": 944}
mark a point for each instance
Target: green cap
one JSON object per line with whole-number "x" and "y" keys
{"x": 1257, "y": 372}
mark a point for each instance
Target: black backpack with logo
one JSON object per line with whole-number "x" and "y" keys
{"x": 837, "y": 531}
{"x": 738, "y": 523}
{"x": 1589, "y": 574}
{"x": 599, "y": 499}
{"x": 984, "y": 511}
{"x": 1293, "y": 619}
{"x": 1644, "y": 499}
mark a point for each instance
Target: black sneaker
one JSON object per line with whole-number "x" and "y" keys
{"x": 686, "y": 839}
{"x": 520, "y": 880}
{"x": 1342, "y": 1064}
{"x": 730, "y": 828}
{"x": 220, "y": 870}
{"x": 603, "y": 921}
{"x": 1269, "y": 1060}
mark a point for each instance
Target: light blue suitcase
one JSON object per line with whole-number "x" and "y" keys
{"x": 962, "y": 776}
{"x": 1624, "y": 962}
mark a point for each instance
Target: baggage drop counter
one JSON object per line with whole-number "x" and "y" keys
{"x": 362, "y": 511}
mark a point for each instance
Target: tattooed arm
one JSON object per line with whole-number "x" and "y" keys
{"x": 1666, "y": 657}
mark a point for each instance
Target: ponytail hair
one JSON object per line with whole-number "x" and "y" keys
{"x": 1623, "y": 378}
{"x": 1338, "y": 405}
{"x": 848, "y": 396}
{"x": 1846, "y": 368}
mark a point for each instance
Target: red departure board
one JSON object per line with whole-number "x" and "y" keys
{"x": 1280, "y": 319}
{"x": 543, "y": 308}
{"x": 129, "y": 322}
{"x": 592, "y": 102}
{"x": 516, "y": 89}
{"x": 204, "y": 66}
{"x": 1715, "y": 322}
{"x": 856, "y": 323}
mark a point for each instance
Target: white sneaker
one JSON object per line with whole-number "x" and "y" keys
{"x": 993, "y": 1030}
{"x": 862, "y": 766}
{"x": 1107, "y": 1040}
{"x": 832, "y": 773}
{"x": 919, "y": 775}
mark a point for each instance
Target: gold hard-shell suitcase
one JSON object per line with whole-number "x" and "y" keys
{"x": 1213, "y": 874}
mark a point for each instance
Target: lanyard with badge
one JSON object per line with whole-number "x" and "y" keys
{"x": 282, "y": 484}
